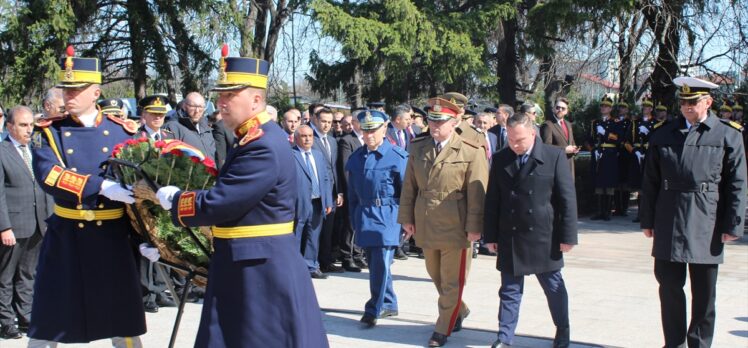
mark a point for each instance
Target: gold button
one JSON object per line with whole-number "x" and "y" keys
{"x": 99, "y": 223}
{"x": 101, "y": 205}
{"x": 106, "y": 132}
{"x": 67, "y": 134}
{"x": 74, "y": 169}
{"x": 70, "y": 151}
{"x": 81, "y": 225}
{"x": 79, "y": 206}
{"x": 105, "y": 149}
{"x": 89, "y": 215}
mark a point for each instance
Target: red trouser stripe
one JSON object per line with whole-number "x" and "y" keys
{"x": 453, "y": 317}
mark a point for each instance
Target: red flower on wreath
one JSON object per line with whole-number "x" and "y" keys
{"x": 143, "y": 140}
{"x": 115, "y": 152}
{"x": 118, "y": 147}
{"x": 209, "y": 162}
{"x": 212, "y": 171}
{"x": 195, "y": 160}
{"x": 176, "y": 152}
{"x": 131, "y": 142}
{"x": 160, "y": 144}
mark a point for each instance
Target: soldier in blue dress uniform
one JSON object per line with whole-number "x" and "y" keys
{"x": 636, "y": 142}
{"x": 605, "y": 137}
{"x": 87, "y": 285}
{"x": 375, "y": 177}
{"x": 259, "y": 292}
{"x": 625, "y": 157}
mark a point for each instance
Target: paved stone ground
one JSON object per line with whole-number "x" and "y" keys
{"x": 612, "y": 290}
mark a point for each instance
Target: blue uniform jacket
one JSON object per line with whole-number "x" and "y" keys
{"x": 375, "y": 180}
{"x": 304, "y": 184}
{"x": 259, "y": 292}
{"x": 87, "y": 285}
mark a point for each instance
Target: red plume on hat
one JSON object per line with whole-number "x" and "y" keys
{"x": 222, "y": 62}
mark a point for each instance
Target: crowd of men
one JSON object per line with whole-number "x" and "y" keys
{"x": 295, "y": 197}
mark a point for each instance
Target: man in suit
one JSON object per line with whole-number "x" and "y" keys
{"x": 483, "y": 121}
{"x": 530, "y": 186}
{"x": 693, "y": 202}
{"x": 312, "y": 204}
{"x": 291, "y": 122}
{"x": 352, "y": 256}
{"x": 502, "y": 115}
{"x": 24, "y": 207}
{"x": 325, "y": 143}
{"x": 399, "y": 132}
{"x": 557, "y": 131}
{"x": 3, "y": 131}
{"x": 442, "y": 204}
{"x": 52, "y": 104}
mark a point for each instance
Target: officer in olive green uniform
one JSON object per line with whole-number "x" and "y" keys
{"x": 442, "y": 203}
{"x": 694, "y": 198}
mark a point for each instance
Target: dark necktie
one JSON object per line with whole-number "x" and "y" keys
{"x": 521, "y": 160}
{"x": 157, "y": 136}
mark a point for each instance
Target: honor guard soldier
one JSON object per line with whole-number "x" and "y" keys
{"x": 636, "y": 143}
{"x": 259, "y": 291}
{"x": 661, "y": 113}
{"x": 112, "y": 107}
{"x": 694, "y": 200}
{"x": 87, "y": 284}
{"x": 442, "y": 204}
{"x": 725, "y": 110}
{"x": 606, "y": 135}
{"x": 625, "y": 157}
{"x": 375, "y": 179}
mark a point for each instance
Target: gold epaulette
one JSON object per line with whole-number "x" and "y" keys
{"x": 658, "y": 124}
{"x": 128, "y": 125}
{"x": 735, "y": 125}
{"x": 46, "y": 122}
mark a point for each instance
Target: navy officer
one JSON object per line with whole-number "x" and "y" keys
{"x": 87, "y": 284}
{"x": 376, "y": 173}
{"x": 259, "y": 291}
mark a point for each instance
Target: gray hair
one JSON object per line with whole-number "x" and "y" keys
{"x": 506, "y": 108}
{"x": 481, "y": 114}
{"x": 52, "y": 94}
{"x": 303, "y": 126}
{"x": 526, "y": 108}
{"x": 520, "y": 119}
{"x": 401, "y": 110}
{"x": 13, "y": 112}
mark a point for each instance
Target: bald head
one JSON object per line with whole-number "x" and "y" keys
{"x": 194, "y": 106}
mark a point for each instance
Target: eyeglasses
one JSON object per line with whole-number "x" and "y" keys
{"x": 196, "y": 106}
{"x": 335, "y": 121}
{"x": 560, "y": 108}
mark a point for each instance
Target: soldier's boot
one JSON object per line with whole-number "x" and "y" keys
{"x": 625, "y": 198}
{"x": 638, "y": 206}
{"x": 607, "y": 205}
{"x": 600, "y": 208}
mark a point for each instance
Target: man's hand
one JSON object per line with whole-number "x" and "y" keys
{"x": 648, "y": 232}
{"x": 339, "y": 200}
{"x": 565, "y": 248}
{"x": 165, "y": 195}
{"x": 8, "y": 238}
{"x": 571, "y": 149}
{"x": 112, "y": 190}
{"x": 328, "y": 210}
{"x": 492, "y": 247}
{"x": 725, "y": 238}
{"x": 473, "y": 236}
{"x": 410, "y": 230}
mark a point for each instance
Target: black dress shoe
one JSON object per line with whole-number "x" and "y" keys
{"x": 317, "y": 274}
{"x": 400, "y": 255}
{"x": 437, "y": 340}
{"x": 150, "y": 307}
{"x": 10, "y": 332}
{"x": 562, "y": 339}
{"x": 351, "y": 267}
{"x": 499, "y": 344}
{"x": 361, "y": 264}
{"x": 23, "y": 325}
{"x": 163, "y": 300}
{"x": 388, "y": 313}
{"x": 369, "y": 321}
{"x": 331, "y": 269}
{"x": 458, "y": 325}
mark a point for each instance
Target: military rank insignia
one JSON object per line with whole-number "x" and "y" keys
{"x": 186, "y": 205}
{"x": 71, "y": 182}
{"x": 53, "y": 175}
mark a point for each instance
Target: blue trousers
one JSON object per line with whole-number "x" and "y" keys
{"x": 510, "y": 295}
{"x": 308, "y": 229}
{"x": 380, "y": 280}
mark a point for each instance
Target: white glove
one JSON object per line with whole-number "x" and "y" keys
{"x": 639, "y": 156}
{"x": 598, "y": 155}
{"x": 165, "y": 195}
{"x": 115, "y": 192}
{"x": 149, "y": 252}
{"x": 600, "y": 130}
{"x": 643, "y": 130}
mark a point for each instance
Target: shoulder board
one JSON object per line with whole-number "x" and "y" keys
{"x": 166, "y": 130}
{"x": 470, "y": 143}
{"x": 659, "y": 124}
{"x": 399, "y": 151}
{"x": 128, "y": 125}
{"x": 46, "y": 122}
{"x": 733, "y": 124}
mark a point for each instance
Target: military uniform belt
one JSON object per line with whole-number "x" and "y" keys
{"x": 668, "y": 185}
{"x": 378, "y": 202}
{"x": 89, "y": 215}
{"x": 607, "y": 145}
{"x": 441, "y": 196}
{"x": 253, "y": 231}
{"x": 645, "y": 145}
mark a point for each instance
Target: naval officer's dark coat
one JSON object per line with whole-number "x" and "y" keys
{"x": 87, "y": 284}
{"x": 694, "y": 189}
{"x": 259, "y": 291}
{"x": 520, "y": 206}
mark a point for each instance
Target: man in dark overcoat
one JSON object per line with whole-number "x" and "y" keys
{"x": 530, "y": 186}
